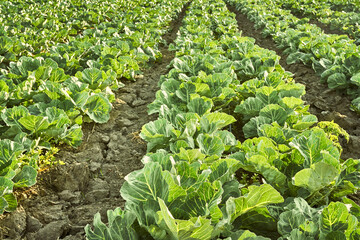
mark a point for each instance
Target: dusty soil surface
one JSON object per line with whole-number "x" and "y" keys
{"x": 326, "y": 104}
{"x": 66, "y": 198}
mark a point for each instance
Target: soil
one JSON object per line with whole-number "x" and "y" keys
{"x": 325, "y": 103}
{"x": 67, "y": 197}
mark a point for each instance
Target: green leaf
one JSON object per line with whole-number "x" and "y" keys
{"x": 305, "y": 122}
{"x": 9, "y": 152}
{"x": 162, "y": 157}
{"x": 274, "y": 131}
{"x": 250, "y": 129}
{"x": 275, "y": 113}
{"x": 120, "y": 226}
{"x": 99, "y": 229}
{"x": 185, "y": 91}
{"x": 250, "y": 107}
{"x": 175, "y": 191}
{"x": 217, "y": 82}
{"x": 57, "y": 117}
{"x": 210, "y": 145}
{"x": 291, "y": 102}
{"x": 6, "y": 186}
{"x": 189, "y": 175}
{"x": 195, "y": 228}
{"x": 199, "y": 201}
{"x": 4, "y": 90}
{"x": 145, "y": 184}
{"x": 355, "y": 79}
{"x": 92, "y": 76}
{"x": 289, "y": 221}
{"x": 296, "y": 56}
{"x": 246, "y": 235}
{"x": 337, "y": 80}
{"x": 190, "y": 155}
{"x": 12, "y": 115}
{"x": 42, "y": 73}
{"x": 24, "y": 65}
{"x": 354, "y": 207}
{"x": 98, "y": 108}
{"x": 157, "y": 134}
{"x": 78, "y": 93}
{"x": 334, "y": 217}
{"x": 258, "y": 196}
{"x": 168, "y": 218}
{"x": 227, "y": 138}
{"x": 299, "y": 219}
{"x": 26, "y": 177}
{"x": 11, "y": 202}
{"x": 72, "y": 136}
{"x": 58, "y": 76}
{"x": 272, "y": 175}
{"x": 290, "y": 89}
{"x": 220, "y": 119}
{"x": 35, "y": 124}
{"x": 7, "y": 199}
{"x": 315, "y": 178}
{"x": 268, "y": 95}
{"x": 200, "y": 106}
{"x": 3, "y": 205}
{"x": 311, "y": 144}
{"x": 258, "y": 221}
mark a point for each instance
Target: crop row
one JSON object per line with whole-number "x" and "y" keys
{"x": 30, "y": 28}
{"x": 45, "y": 98}
{"x": 285, "y": 181}
{"x": 334, "y": 57}
{"x": 347, "y": 22}
{"x": 344, "y": 5}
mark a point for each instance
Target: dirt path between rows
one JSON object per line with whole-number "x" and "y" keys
{"x": 325, "y": 103}
{"x": 67, "y": 197}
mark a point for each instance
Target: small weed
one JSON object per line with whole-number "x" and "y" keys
{"x": 136, "y": 137}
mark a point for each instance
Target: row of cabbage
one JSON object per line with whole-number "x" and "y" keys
{"x": 45, "y": 98}
{"x": 334, "y": 57}
{"x": 347, "y": 22}
{"x": 285, "y": 181}
{"x": 344, "y": 5}
{"x": 34, "y": 27}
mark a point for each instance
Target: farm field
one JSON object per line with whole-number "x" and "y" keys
{"x": 164, "y": 119}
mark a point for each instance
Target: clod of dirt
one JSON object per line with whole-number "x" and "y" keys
{"x": 72, "y": 177}
{"x": 99, "y": 189}
{"x": 51, "y": 231}
{"x": 32, "y": 224}
{"x": 13, "y": 226}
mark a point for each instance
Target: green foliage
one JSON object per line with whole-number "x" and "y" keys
{"x": 189, "y": 187}
{"x": 59, "y": 66}
{"x": 334, "y": 57}
{"x": 303, "y": 222}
